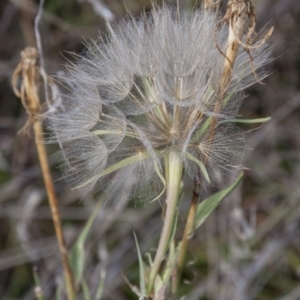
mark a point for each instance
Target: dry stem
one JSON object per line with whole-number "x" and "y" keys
{"x": 241, "y": 19}
{"x": 28, "y": 71}
{"x": 211, "y": 4}
{"x": 239, "y": 16}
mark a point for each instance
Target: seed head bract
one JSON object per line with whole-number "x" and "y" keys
{"x": 148, "y": 88}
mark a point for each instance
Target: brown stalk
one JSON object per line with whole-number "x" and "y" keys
{"x": 241, "y": 19}
{"x": 240, "y": 15}
{"x": 211, "y": 4}
{"x": 28, "y": 70}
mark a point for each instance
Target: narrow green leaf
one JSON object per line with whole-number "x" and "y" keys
{"x": 202, "y": 130}
{"x": 161, "y": 177}
{"x": 206, "y": 207}
{"x": 246, "y": 121}
{"x": 150, "y": 260}
{"x": 133, "y": 288}
{"x": 227, "y": 98}
{"x": 58, "y": 293}
{"x": 85, "y": 289}
{"x": 126, "y": 132}
{"x": 77, "y": 255}
{"x": 121, "y": 164}
{"x": 199, "y": 163}
{"x": 142, "y": 272}
{"x": 101, "y": 285}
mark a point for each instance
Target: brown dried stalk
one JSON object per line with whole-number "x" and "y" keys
{"x": 212, "y": 4}
{"x": 29, "y": 71}
{"x": 241, "y": 19}
{"x": 238, "y": 15}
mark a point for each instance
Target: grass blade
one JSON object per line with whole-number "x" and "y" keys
{"x": 77, "y": 255}
{"x": 121, "y": 164}
{"x": 141, "y": 264}
{"x": 246, "y": 121}
{"x": 100, "y": 289}
{"x": 85, "y": 289}
{"x": 200, "y": 164}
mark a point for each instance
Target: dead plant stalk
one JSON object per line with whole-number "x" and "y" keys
{"x": 239, "y": 15}
{"x": 28, "y": 71}
{"x": 241, "y": 20}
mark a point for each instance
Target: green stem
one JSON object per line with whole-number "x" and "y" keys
{"x": 187, "y": 235}
{"x": 173, "y": 186}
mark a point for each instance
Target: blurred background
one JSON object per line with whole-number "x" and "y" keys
{"x": 248, "y": 249}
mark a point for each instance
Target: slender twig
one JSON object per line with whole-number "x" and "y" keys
{"x": 54, "y": 207}
{"x": 237, "y": 15}
{"x": 28, "y": 71}
{"x": 174, "y": 166}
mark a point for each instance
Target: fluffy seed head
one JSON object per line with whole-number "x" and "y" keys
{"x": 149, "y": 88}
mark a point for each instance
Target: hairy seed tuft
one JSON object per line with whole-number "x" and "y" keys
{"x": 149, "y": 88}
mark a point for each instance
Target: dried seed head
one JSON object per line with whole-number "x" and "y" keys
{"x": 28, "y": 70}
{"x": 211, "y": 4}
{"x": 151, "y": 88}
{"x": 241, "y": 19}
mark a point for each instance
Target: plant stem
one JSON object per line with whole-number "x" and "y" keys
{"x": 175, "y": 167}
{"x": 211, "y": 4}
{"x": 28, "y": 70}
{"x": 237, "y": 15}
{"x": 38, "y": 132}
{"x": 187, "y": 235}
